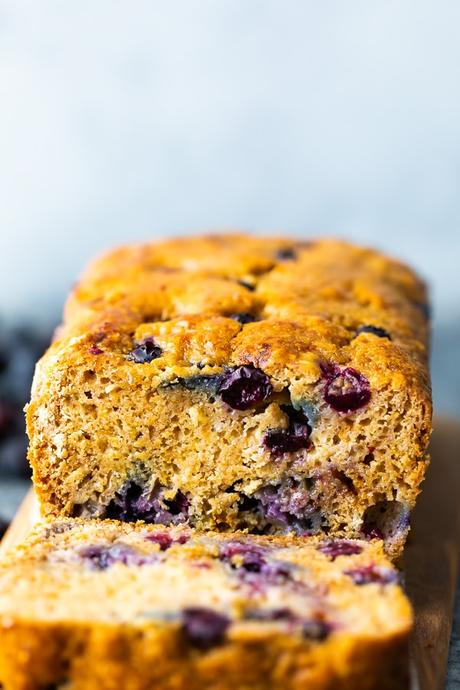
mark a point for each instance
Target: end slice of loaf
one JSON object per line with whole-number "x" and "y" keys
{"x": 89, "y": 605}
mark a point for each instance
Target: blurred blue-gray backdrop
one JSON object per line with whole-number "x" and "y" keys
{"x": 125, "y": 120}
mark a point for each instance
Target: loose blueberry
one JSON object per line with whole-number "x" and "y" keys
{"x": 375, "y": 330}
{"x": 286, "y": 254}
{"x": 372, "y": 574}
{"x": 101, "y": 557}
{"x": 295, "y": 437}
{"x": 346, "y": 390}
{"x": 243, "y": 317}
{"x": 145, "y": 352}
{"x": 339, "y": 547}
{"x": 244, "y": 387}
{"x": 204, "y": 628}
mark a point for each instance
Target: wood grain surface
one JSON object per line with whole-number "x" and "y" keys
{"x": 431, "y": 560}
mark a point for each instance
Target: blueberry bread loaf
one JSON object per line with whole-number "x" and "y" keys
{"x": 235, "y": 382}
{"x": 97, "y": 605}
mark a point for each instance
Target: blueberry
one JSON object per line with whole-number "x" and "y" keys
{"x": 204, "y": 628}
{"x": 286, "y": 254}
{"x": 134, "y": 503}
{"x": 244, "y": 387}
{"x": 280, "y": 441}
{"x": 145, "y": 352}
{"x": 295, "y": 437}
{"x": 243, "y": 317}
{"x": 346, "y": 389}
{"x": 375, "y": 330}
{"x": 339, "y": 547}
{"x": 95, "y": 350}
{"x": 371, "y": 574}
{"x": 101, "y": 557}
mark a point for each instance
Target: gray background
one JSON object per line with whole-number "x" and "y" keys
{"x": 122, "y": 120}
{"x": 126, "y": 120}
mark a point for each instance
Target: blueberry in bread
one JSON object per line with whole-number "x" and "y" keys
{"x": 93, "y": 605}
{"x": 237, "y": 382}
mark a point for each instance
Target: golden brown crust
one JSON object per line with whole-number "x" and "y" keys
{"x": 309, "y": 301}
{"x": 64, "y": 622}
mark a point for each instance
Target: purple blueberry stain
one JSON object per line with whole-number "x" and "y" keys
{"x": 206, "y": 384}
{"x": 253, "y": 564}
{"x": 103, "y": 556}
{"x": 244, "y": 387}
{"x": 372, "y": 574}
{"x": 135, "y": 503}
{"x": 294, "y": 438}
{"x": 204, "y": 628}
{"x": 145, "y": 352}
{"x": 290, "y": 506}
{"x": 165, "y": 540}
{"x": 339, "y": 547}
{"x": 346, "y": 390}
{"x": 95, "y": 350}
{"x": 375, "y": 330}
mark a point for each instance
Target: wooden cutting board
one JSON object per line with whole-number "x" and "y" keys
{"x": 431, "y": 560}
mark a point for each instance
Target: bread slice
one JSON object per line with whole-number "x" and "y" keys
{"x": 99, "y": 605}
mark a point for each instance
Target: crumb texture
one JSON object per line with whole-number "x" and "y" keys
{"x": 89, "y": 605}
{"x": 237, "y": 382}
